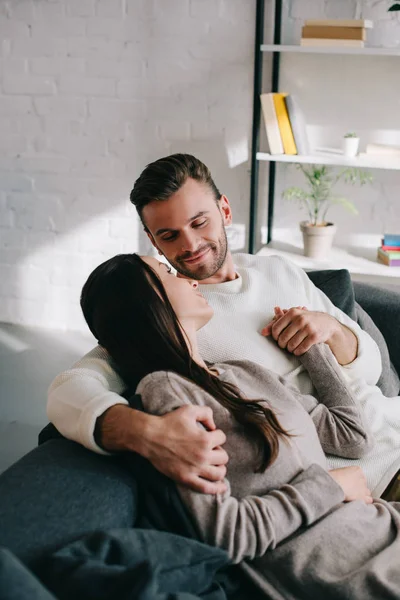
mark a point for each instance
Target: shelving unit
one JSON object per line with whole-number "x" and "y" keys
{"x": 369, "y": 266}
{"x": 320, "y": 158}
{"x": 363, "y": 267}
{"x": 330, "y": 50}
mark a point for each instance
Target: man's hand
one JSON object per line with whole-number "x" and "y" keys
{"x": 188, "y": 453}
{"x": 176, "y": 444}
{"x": 297, "y": 329}
{"x": 353, "y": 483}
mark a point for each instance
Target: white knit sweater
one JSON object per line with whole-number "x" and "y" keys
{"x": 242, "y": 307}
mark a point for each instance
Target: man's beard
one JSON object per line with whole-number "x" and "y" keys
{"x": 213, "y": 261}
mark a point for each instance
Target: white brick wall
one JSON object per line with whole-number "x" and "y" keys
{"x": 92, "y": 90}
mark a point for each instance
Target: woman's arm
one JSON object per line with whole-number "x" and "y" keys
{"x": 337, "y": 415}
{"x": 247, "y": 527}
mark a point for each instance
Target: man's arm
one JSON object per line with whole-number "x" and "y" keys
{"x": 367, "y": 364}
{"x": 86, "y": 400}
{"x": 297, "y": 329}
{"x": 173, "y": 443}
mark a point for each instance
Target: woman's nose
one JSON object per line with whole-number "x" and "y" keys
{"x": 194, "y": 284}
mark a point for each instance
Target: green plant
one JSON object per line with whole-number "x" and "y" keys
{"x": 351, "y": 134}
{"x": 394, "y": 7}
{"x": 317, "y": 198}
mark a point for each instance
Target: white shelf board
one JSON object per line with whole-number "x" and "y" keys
{"x": 363, "y": 264}
{"x": 320, "y": 158}
{"x": 331, "y": 50}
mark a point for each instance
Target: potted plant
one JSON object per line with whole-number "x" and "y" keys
{"x": 317, "y": 198}
{"x": 351, "y": 142}
{"x": 394, "y": 7}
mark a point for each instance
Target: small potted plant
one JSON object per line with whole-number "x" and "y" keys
{"x": 351, "y": 141}
{"x": 317, "y": 198}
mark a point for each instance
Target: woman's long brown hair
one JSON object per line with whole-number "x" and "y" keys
{"x": 129, "y": 313}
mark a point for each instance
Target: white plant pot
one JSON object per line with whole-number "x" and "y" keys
{"x": 350, "y": 146}
{"x": 317, "y": 239}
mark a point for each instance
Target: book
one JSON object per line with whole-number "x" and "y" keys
{"x": 390, "y": 248}
{"x": 391, "y": 239}
{"x": 339, "y": 33}
{"x": 289, "y": 145}
{"x": 390, "y": 253}
{"x": 326, "y": 42}
{"x": 298, "y": 124}
{"x": 382, "y": 149}
{"x": 271, "y": 124}
{"x": 366, "y": 23}
{"x": 387, "y": 260}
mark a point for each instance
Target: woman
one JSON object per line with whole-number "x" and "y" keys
{"x": 298, "y": 530}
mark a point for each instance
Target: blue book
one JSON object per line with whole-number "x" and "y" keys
{"x": 391, "y": 239}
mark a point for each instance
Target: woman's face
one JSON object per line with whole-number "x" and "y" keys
{"x": 188, "y": 303}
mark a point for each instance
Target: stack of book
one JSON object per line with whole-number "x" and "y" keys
{"x": 389, "y": 252}
{"x": 335, "y": 32}
{"x": 285, "y": 124}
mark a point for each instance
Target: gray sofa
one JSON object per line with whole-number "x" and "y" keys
{"x": 55, "y": 500}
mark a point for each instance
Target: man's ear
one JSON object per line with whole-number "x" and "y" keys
{"x": 226, "y": 211}
{"x": 153, "y": 242}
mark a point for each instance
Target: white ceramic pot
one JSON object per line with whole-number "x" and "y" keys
{"x": 317, "y": 239}
{"x": 350, "y": 146}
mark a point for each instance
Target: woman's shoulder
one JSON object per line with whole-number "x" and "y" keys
{"x": 162, "y": 380}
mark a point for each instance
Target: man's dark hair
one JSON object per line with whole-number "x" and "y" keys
{"x": 165, "y": 176}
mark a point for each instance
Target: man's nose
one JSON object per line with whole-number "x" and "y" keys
{"x": 189, "y": 242}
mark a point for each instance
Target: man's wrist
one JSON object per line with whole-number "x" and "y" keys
{"x": 344, "y": 344}
{"x": 122, "y": 428}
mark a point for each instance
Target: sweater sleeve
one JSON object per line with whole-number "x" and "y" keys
{"x": 77, "y": 397}
{"x": 337, "y": 414}
{"x": 368, "y": 364}
{"x": 245, "y": 527}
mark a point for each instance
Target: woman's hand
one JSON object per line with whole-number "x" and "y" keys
{"x": 353, "y": 483}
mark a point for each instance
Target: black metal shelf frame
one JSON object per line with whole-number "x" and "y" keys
{"x": 255, "y": 141}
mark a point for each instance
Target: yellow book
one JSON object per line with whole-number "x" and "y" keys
{"x": 285, "y": 128}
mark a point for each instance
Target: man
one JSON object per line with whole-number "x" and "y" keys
{"x": 184, "y": 216}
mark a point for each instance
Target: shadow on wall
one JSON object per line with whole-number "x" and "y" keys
{"x": 64, "y": 206}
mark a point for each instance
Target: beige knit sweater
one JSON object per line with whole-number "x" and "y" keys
{"x": 289, "y": 525}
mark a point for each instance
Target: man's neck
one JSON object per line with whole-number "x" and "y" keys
{"x": 225, "y": 273}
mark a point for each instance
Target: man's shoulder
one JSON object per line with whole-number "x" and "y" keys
{"x": 264, "y": 263}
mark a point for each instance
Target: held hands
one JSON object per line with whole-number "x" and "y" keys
{"x": 187, "y": 453}
{"x": 297, "y": 329}
{"x": 353, "y": 483}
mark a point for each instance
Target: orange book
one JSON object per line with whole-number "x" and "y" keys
{"x": 285, "y": 127}
{"x": 338, "y": 33}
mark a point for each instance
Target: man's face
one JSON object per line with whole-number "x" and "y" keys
{"x": 189, "y": 229}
